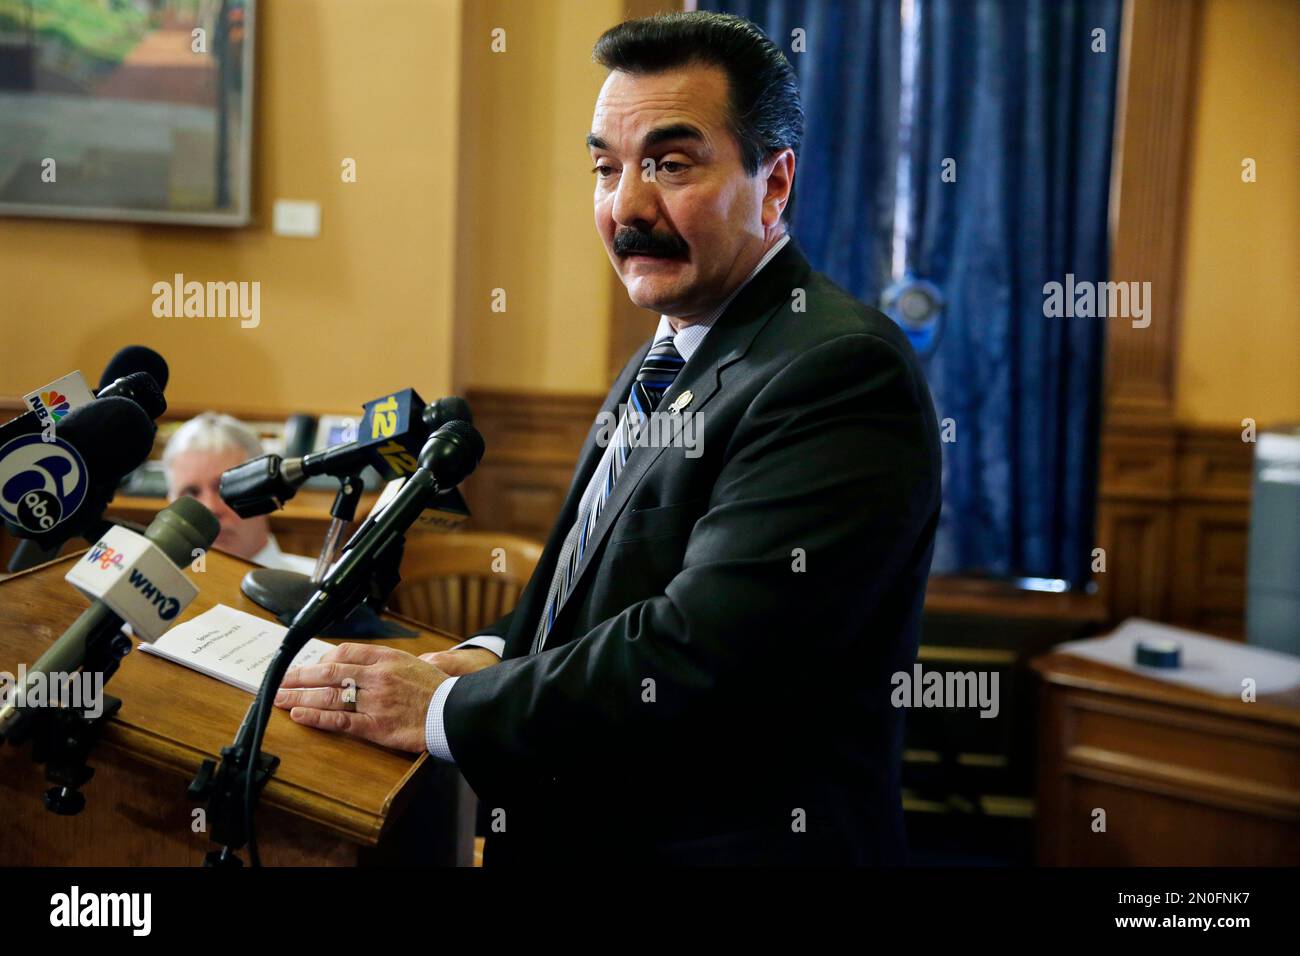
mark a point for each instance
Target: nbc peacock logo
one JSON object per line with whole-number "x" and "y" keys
{"x": 56, "y": 403}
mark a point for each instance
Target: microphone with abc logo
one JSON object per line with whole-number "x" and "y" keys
{"x": 52, "y": 491}
{"x": 56, "y": 483}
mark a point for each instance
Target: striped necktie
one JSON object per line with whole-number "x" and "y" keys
{"x": 658, "y": 370}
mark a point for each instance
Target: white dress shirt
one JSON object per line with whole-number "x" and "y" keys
{"x": 686, "y": 341}
{"x": 272, "y": 557}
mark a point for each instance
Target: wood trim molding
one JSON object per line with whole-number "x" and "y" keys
{"x": 1153, "y": 139}
{"x": 1174, "y": 499}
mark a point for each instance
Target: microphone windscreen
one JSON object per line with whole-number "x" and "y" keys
{"x": 141, "y": 388}
{"x": 470, "y": 436}
{"x": 452, "y": 408}
{"x": 452, "y": 453}
{"x": 181, "y": 527}
{"x": 113, "y": 435}
{"x": 136, "y": 358}
{"x": 255, "y": 487}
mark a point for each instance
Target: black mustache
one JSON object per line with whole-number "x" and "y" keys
{"x": 630, "y": 242}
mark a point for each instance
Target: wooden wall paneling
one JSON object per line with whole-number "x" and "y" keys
{"x": 1211, "y": 530}
{"x": 1135, "y": 537}
{"x": 1214, "y": 464}
{"x": 1208, "y": 582}
{"x": 1173, "y": 518}
{"x": 1135, "y": 514}
{"x": 533, "y": 441}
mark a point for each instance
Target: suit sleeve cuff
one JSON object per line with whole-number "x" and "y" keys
{"x": 497, "y": 645}
{"x": 435, "y": 730}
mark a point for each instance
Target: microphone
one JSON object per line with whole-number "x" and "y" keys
{"x": 179, "y": 529}
{"x": 450, "y": 454}
{"x": 392, "y": 427}
{"x": 394, "y": 430}
{"x": 53, "y": 491}
{"x": 135, "y": 372}
{"x": 447, "y": 458}
{"x": 138, "y": 373}
{"x": 139, "y": 387}
{"x": 132, "y": 359}
{"x": 452, "y": 408}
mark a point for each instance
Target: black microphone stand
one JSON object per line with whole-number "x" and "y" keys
{"x": 364, "y": 575}
{"x": 285, "y": 593}
{"x": 233, "y": 787}
{"x": 63, "y": 737}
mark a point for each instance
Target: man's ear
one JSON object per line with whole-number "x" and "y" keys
{"x": 779, "y": 172}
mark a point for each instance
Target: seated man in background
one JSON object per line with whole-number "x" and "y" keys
{"x": 195, "y": 456}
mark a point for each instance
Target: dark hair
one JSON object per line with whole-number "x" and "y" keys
{"x": 764, "y": 109}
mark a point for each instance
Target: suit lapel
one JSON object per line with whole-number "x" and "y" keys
{"x": 591, "y": 451}
{"x": 725, "y": 344}
{"x": 532, "y": 601}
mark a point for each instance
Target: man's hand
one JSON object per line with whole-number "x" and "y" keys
{"x": 464, "y": 661}
{"x": 390, "y": 691}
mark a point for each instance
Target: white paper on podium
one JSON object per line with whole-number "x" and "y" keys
{"x": 1209, "y": 663}
{"x": 231, "y": 645}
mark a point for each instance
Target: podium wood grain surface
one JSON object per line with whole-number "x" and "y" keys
{"x": 1186, "y": 778}
{"x": 332, "y": 800}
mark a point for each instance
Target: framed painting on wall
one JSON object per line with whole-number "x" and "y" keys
{"x": 137, "y": 110}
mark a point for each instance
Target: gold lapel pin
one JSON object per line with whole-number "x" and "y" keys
{"x": 680, "y": 402}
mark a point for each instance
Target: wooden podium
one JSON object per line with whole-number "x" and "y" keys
{"x": 334, "y": 800}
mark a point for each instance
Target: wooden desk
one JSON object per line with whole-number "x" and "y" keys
{"x": 1185, "y": 778}
{"x": 333, "y": 800}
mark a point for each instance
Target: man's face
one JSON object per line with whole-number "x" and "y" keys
{"x": 197, "y": 474}
{"x": 685, "y": 228}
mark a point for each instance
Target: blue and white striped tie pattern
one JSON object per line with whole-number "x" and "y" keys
{"x": 658, "y": 370}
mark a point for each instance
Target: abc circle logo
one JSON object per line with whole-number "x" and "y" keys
{"x": 41, "y": 483}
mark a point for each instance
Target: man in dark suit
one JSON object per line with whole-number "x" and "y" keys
{"x": 699, "y": 670}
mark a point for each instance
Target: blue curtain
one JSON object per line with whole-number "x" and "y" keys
{"x": 847, "y": 66}
{"x": 1013, "y": 91}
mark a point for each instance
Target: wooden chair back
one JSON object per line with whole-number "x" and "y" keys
{"x": 463, "y": 581}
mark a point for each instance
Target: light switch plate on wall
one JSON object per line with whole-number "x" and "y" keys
{"x": 297, "y": 217}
